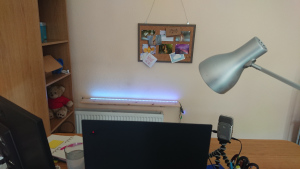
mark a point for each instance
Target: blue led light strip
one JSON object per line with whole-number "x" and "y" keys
{"x": 135, "y": 100}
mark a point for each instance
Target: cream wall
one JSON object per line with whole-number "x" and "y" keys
{"x": 103, "y": 41}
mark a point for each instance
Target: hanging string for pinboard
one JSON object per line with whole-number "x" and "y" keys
{"x": 150, "y": 11}
{"x": 187, "y": 21}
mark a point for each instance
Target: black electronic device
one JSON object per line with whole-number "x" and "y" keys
{"x": 225, "y": 128}
{"x": 147, "y": 145}
{"x": 31, "y": 148}
{"x": 8, "y": 148}
{"x": 224, "y": 133}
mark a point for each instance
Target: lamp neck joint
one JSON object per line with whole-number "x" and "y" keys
{"x": 250, "y": 63}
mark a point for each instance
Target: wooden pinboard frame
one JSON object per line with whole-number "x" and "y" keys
{"x": 157, "y": 50}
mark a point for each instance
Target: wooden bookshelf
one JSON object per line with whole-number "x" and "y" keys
{"x": 54, "y": 14}
{"x": 22, "y": 55}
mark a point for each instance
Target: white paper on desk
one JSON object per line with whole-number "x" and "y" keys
{"x": 56, "y": 152}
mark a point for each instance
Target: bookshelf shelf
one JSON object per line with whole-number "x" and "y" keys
{"x": 55, "y": 78}
{"x": 55, "y": 123}
{"x": 54, "y": 42}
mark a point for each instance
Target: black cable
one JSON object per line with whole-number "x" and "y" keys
{"x": 211, "y": 163}
{"x": 237, "y": 159}
{"x": 240, "y": 143}
{"x": 181, "y": 111}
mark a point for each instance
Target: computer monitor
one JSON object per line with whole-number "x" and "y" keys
{"x": 23, "y": 141}
{"x": 147, "y": 145}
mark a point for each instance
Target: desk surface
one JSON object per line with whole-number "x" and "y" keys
{"x": 274, "y": 154}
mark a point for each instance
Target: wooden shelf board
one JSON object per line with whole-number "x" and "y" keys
{"x": 54, "y": 42}
{"x": 55, "y": 122}
{"x": 130, "y": 103}
{"x": 55, "y": 77}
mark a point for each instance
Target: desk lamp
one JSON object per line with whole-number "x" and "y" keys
{"x": 221, "y": 72}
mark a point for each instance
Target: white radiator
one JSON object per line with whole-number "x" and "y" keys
{"x": 150, "y": 116}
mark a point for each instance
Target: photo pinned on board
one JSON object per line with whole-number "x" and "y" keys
{"x": 158, "y": 40}
{"x": 146, "y": 33}
{"x": 184, "y": 37}
{"x": 151, "y": 40}
{"x": 149, "y": 49}
{"x": 149, "y": 60}
{"x": 176, "y": 57}
{"x": 164, "y": 37}
{"x": 182, "y": 48}
{"x": 143, "y": 55}
{"x": 165, "y": 48}
{"x": 154, "y": 40}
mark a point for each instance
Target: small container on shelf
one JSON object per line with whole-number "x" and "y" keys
{"x": 43, "y": 32}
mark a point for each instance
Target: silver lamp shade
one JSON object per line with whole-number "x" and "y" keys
{"x": 221, "y": 72}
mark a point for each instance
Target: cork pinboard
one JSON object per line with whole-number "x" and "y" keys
{"x": 183, "y": 41}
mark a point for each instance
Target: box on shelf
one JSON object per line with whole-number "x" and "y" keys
{"x": 50, "y": 64}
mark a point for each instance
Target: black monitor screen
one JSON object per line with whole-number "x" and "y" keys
{"x": 147, "y": 145}
{"x": 29, "y": 137}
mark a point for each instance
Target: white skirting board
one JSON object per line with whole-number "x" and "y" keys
{"x": 120, "y": 115}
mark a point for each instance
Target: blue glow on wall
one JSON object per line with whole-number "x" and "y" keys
{"x": 134, "y": 100}
{"x": 159, "y": 95}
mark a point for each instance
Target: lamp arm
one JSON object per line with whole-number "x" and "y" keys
{"x": 284, "y": 80}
